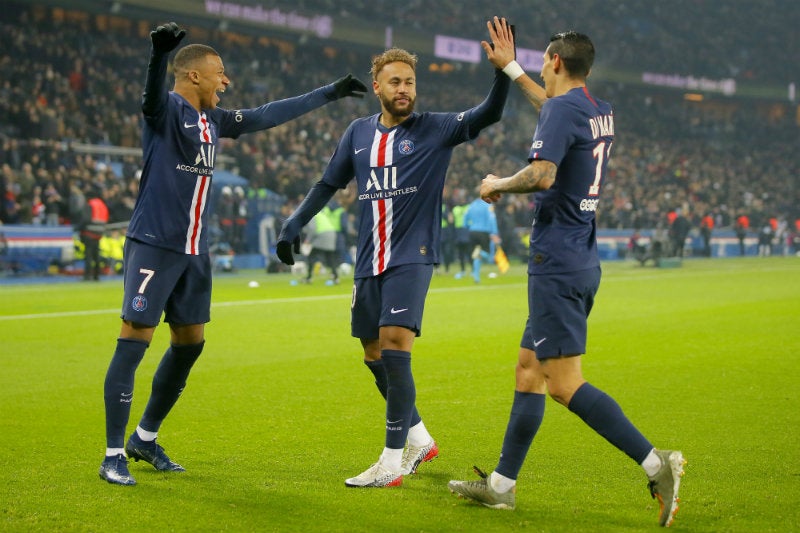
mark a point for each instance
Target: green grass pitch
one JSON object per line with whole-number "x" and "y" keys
{"x": 279, "y": 410}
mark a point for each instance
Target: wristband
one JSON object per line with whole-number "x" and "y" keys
{"x": 513, "y": 70}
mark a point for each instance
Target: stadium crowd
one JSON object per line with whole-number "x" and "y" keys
{"x": 630, "y": 35}
{"x": 78, "y": 82}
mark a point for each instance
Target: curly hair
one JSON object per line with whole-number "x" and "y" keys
{"x": 390, "y": 56}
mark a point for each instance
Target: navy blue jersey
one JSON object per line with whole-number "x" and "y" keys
{"x": 180, "y": 149}
{"x": 400, "y": 175}
{"x": 575, "y": 131}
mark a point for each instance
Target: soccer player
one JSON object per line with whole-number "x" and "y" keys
{"x": 399, "y": 159}
{"x": 167, "y": 267}
{"x": 567, "y": 167}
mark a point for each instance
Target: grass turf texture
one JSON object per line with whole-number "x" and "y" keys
{"x": 279, "y": 410}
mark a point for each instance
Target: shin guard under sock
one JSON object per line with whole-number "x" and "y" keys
{"x": 118, "y": 388}
{"x": 400, "y": 396}
{"x": 168, "y": 383}
{"x": 527, "y": 413}
{"x": 605, "y": 416}
{"x": 381, "y": 381}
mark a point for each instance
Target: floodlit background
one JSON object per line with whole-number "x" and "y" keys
{"x": 701, "y": 353}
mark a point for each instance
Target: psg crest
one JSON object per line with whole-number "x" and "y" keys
{"x": 139, "y": 303}
{"x": 406, "y": 147}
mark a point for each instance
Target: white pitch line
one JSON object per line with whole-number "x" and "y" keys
{"x": 266, "y": 301}
{"x": 606, "y": 279}
{"x": 59, "y": 314}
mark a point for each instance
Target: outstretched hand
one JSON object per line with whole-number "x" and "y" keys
{"x": 501, "y": 51}
{"x": 349, "y": 86}
{"x": 284, "y": 250}
{"x": 166, "y": 37}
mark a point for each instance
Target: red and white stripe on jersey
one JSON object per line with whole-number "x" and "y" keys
{"x": 381, "y": 155}
{"x": 199, "y": 198}
{"x": 205, "y": 134}
{"x": 195, "y": 214}
{"x": 383, "y": 217}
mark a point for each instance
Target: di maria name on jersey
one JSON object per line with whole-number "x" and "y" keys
{"x": 575, "y": 131}
{"x": 180, "y": 149}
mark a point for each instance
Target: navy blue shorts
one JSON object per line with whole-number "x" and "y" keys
{"x": 158, "y": 281}
{"x": 558, "y": 307}
{"x": 393, "y": 298}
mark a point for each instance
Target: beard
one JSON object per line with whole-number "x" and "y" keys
{"x": 395, "y": 110}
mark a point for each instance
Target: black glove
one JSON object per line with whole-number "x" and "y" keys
{"x": 166, "y": 38}
{"x": 284, "y": 250}
{"x": 349, "y": 86}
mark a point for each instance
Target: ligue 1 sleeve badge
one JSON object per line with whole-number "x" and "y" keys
{"x": 139, "y": 303}
{"x": 406, "y": 147}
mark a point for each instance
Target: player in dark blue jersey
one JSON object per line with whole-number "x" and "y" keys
{"x": 399, "y": 160}
{"x": 166, "y": 262}
{"x": 567, "y": 169}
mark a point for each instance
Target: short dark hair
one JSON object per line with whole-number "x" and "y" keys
{"x": 575, "y": 50}
{"x": 189, "y": 54}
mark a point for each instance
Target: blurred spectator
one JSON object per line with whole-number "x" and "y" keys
{"x": 725, "y": 156}
{"x": 91, "y": 224}
{"x": 765, "y": 237}
{"x": 741, "y": 227}
{"x": 706, "y": 227}
{"x": 678, "y": 231}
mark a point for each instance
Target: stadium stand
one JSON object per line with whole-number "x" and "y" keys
{"x": 69, "y": 112}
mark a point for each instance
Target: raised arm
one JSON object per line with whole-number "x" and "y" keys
{"x": 278, "y": 112}
{"x": 491, "y": 109}
{"x": 164, "y": 40}
{"x": 502, "y": 54}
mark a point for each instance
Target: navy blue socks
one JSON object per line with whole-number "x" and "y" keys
{"x": 401, "y": 394}
{"x": 604, "y": 415}
{"x": 527, "y": 412}
{"x": 118, "y": 388}
{"x": 381, "y": 381}
{"x": 168, "y": 383}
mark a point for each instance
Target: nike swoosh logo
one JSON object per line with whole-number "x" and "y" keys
{"x": 187, "y": 125}
{"x": 394, "y": 421}
{"x": 540, "y": 341}
{"x": 359, "y": 151}
{"x": 126, "y": 394}
{"x": 395, "y": 311}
